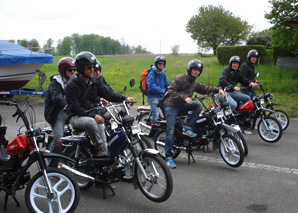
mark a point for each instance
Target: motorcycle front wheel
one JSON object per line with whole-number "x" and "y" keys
{"x": 159, "y": 145}
{"x": 158, "y": 185}
{"x": 239, "y": 136}
{"x": 270, "y": 129}
{"x": 282, "y": 117}
{"x": 65, "y": 197}
{"x": 231, "y": 151}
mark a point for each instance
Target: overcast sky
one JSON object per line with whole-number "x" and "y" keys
{"x": 155, "y": 25}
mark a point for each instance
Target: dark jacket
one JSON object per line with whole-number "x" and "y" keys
{"x": 55, "y": 99}
{"x": 156, "y": 82}
{"x": 75, "y": 90}
{"x": 247, "y": 70}
{"x": 229, "y": 78}
{"x": 184, "y": 86}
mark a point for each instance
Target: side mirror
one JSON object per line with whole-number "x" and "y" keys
{"x": 257, "y": 75}
{"x": 132, "y": 82}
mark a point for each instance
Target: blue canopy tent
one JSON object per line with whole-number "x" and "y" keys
{"x": 18, "y": 65}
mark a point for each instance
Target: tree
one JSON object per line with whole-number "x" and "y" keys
{"x": 65, "y": 47}
{"x": 175, "y": 49}
{"x": 214, "y": 26}
{"x": 47, "y": 48}
{"x": 284, "y": 36}
{"x": 261, "y": 38}
{"x": 32, "y": 44}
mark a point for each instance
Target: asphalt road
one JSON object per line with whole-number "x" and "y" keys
{"x": 266, "y": 182}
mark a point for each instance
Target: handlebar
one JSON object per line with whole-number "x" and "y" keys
{"x": 8, "y": 103}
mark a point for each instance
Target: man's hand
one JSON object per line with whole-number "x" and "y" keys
{"x": 221, "y": 93}
{"x": 188, "y": 100}
{"x": 99, "y": 119}
{"x": 105, "y": 102}
{"x": 131, "y": 100}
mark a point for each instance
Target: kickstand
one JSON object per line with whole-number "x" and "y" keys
{"x": 189, "y": 154}
{"x": 6, "y": 199}
{"x": 104, "y": 190}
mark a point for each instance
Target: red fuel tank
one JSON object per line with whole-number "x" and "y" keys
{"x": 248, "y": 106}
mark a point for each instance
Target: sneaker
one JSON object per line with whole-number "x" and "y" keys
{"x": 101, "y": 152}
{"x": 246, "y": 132}
{"x": 189, "y": 133}
{"x": 171, "y": 164}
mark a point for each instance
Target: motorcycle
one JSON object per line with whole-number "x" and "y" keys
{"x": 269, "y": 128}
{"x": 51, "y": 189}
{"x": 208, "y": 128}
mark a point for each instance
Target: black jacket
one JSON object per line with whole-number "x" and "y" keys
{"x": 55, "y": 99}
{"x": 76, "y": 88}
{"x": 229, "y": 78}
{"x": 248, "y": 72}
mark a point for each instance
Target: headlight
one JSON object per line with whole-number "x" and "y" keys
{"x": 114, "y": 125}
{"x": 262, "y": 101}
{"x": 219, "y": 114}
{"x": 228, "y": 112}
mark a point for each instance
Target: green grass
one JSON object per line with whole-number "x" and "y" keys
{"x": 283, "y": 83}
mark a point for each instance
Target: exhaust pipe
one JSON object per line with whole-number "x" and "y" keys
{"x": 76, "y": 172}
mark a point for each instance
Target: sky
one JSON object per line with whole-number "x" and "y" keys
{"x": 156, "y": 25}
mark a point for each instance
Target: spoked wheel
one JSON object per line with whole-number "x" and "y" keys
{"x": 282, "y": 117}
{"x": 231, "y": 151}
{"x": 159, "y": 145}
{"x": 270, "y": 129}
{"x": 158, "y": 185}
{"x": 65, "y": 197}
{"x": 83, "y": 183}
{"x": 145, "y": 121}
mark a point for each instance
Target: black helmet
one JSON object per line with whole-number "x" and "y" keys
{"x": 252, "y": 52}
{"x": 235, "y": 58}
{"x": 158, "y": 59}
{"x": 194, "y": 64}
{"x": 82, "y": 59}
{"x": 97, "y": 66}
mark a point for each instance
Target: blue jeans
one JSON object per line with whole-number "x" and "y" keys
{"x": 233, "y": 98}
{"x": 153, "y": 101}
{"x": 171, "y": 113}
{"x": 58, "y": 132}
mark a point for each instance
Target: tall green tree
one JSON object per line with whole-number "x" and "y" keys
{"x": 261, "y": 38}
{"x": 284, "y": 36}
{"x": 65, "y": 47}
{"x": 214, "y": 26}
{"x": 48, "y": 47}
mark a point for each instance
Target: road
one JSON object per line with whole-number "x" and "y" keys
{"x": 266, "y": 182}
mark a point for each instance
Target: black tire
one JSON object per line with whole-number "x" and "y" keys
{"x": 239, "y": 136}
{"x": 159, "y": 185}
{"x": 36, "y": 196}
{"x": 231, "y": 151}
{"x": 83, "y": 183}
{"x": 145, "y": 142}
{"x": 159, "y": 145}
{"x": 275, "y": 130}
{"x": 282, "y": 117}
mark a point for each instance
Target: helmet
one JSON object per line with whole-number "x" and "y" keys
{"x": 252, "y": 52}
{"x": 82, "y": 59}
{"x": 65, "y": 63}
{"x": 235, "y": 58}
{"x": 97, "y": 66}
{"x": 194, "y": 64}
{"x": 158, "y": 59}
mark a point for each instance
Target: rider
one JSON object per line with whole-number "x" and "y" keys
{"x": 55, "y": 102}
{"x": 229, "y": 78}
{"x": 156, "y": 84}
{"x": 248, "y": 72}
{"x": 87, "y": 87}
{"x": 179, "y": 102}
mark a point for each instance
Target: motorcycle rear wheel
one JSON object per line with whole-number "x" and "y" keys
{"x": 231, "y": 151}
{"x": 274, "y": 132}
{"x": 66, "y": 192}
{"x": 158, "y": 185}
{"x": 145, "y": 117}
{"x": 282, "y": 117}
{"x": 159, "y": 145}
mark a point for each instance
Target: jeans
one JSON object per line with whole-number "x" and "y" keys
{"x": 171, "y": 113}
{"x": 233, "y": 98}
{"x": 58, "y": 131}
{"x": 95, "y": 131}
{"x": 153, "y": 101}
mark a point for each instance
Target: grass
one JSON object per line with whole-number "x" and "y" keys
{"x": 118, "y": 71}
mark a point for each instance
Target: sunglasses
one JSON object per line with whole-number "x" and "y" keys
{"x": 90, "y": 67}
{"x": 161, "y": 63}
{"x": 71, "y": 70}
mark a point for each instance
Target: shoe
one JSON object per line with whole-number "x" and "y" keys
{"x": 189, "y": 133}
{"x": 101, "y": 152}
{"x": 171, "y": 164}
{"x": 246, "y": 132}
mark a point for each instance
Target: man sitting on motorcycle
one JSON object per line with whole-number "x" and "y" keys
{"x": 87, "y": 87}
{"x": 179, "y": 101}
{"x": 229, "y": 78}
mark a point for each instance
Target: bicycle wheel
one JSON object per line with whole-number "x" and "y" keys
{"x": 158, "y": 185}
{"x": 65, "y": 197}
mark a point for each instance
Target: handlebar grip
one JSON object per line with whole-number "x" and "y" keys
{"x": 4, "y": 102}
